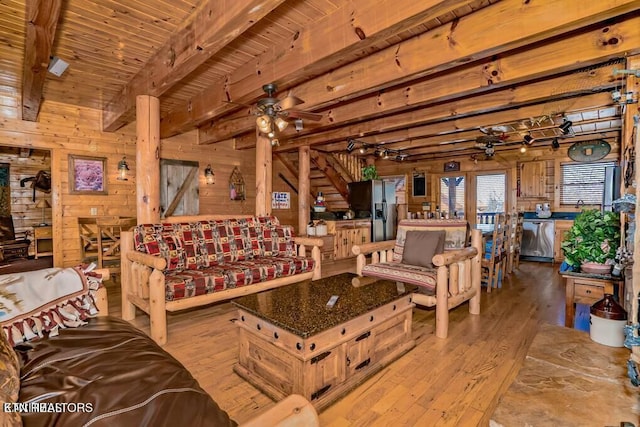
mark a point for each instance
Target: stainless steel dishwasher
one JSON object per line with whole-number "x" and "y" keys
{"x": 537, "y": 239}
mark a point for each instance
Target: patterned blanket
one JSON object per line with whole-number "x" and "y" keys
{"x": 42, "y": 301}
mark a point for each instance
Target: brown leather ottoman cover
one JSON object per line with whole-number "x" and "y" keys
{"x": 125, "y": 376}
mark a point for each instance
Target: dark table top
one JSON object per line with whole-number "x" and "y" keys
{"x": 301, "y": 308}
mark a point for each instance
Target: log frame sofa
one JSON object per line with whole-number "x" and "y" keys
{"x": 454, "y": 279}
{"x": 143, "y": 275}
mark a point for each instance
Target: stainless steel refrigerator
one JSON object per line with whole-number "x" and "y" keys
{"x": 378, "y": 199}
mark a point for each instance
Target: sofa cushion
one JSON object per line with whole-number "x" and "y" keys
{"x": 190, "y": 283}
{"x": 421, "y": 246}
{"x": 278, "y": 240}
{"x": 413, "y": 274}
{"x": 456, "y": 233}
{"x": 126, "y": 377}
{"x": 44, "y": 301}
{"x": 163, "y": 241}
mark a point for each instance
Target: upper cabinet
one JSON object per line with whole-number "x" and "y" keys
{"x": 533, "y": 178}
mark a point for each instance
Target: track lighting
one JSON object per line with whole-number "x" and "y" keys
{"x": 555, "y": 144}
{"x": 275, "y": 142}
{"x": 298, "y": 124}
{"x": 523, "y": 149}
{"x": 386, "y": 154}
{"x": 565, "y": 126}
{"x": 351, "y": 144}
{"x": 527, "y": 139}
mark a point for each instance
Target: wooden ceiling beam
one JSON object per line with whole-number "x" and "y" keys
{"x": 42, "y": 20}
{"x": 448, "y": 47}
{"x": 567, "y": 54}
{"x": 469, "y": 143}
{"x": 453, "y": 130}
{"x": 610, "y": 137}
{"x": 211, "y": 27}
{"x": 316, "y": 48}
{"x": 553, "y": 91}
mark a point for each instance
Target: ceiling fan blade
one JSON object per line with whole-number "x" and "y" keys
{"x": 297, "y": 114}
{"x": 288, "y": 102}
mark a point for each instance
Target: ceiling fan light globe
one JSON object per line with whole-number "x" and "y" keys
{"x": 271, "y": 134}
{"x": 264, "y": 123}
{"x": 281, "y": 124}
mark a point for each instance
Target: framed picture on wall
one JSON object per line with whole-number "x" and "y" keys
{"x": 87, "y": 175}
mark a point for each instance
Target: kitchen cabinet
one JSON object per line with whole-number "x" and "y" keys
{"x": 346, "y": 234}
{"x": 561, "y": 226}
{"x": 533, "y": 178}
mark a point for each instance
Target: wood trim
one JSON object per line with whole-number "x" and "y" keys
{"x": 41, "y": 22}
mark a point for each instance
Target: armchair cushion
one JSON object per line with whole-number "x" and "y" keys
{"x": 421, "y": 246}
{"x": 406, "y": 273}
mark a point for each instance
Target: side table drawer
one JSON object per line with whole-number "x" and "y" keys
{"x": 42, "y": 232}
{"x": 588, "y": 294}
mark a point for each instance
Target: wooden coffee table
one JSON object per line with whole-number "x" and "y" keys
{"x": 291, "y": 342}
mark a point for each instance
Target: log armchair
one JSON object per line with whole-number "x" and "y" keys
{"x": 446, "y": 279}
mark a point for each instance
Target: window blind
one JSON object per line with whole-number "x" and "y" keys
{"x": 490, "y": 193}
{"x": 583, "y": 181}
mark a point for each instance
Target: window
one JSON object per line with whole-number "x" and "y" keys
{"x": 452, "y": 195}
{"x": 490, "y": 196}
{"x": 583, "y": 182}
{"x": 419, "y": 184}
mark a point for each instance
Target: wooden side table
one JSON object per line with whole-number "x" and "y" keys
{"x": 584, "y": 288}
{"x": 43, "y": 240}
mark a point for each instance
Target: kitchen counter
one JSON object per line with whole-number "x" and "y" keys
{"x": 554, "y": 215}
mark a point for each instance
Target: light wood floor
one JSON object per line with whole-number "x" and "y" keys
{"x": 451, "y": 382}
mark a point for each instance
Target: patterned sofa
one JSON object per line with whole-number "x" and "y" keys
{"x": 187, "y": 262}
{"x": 433, "y": 254}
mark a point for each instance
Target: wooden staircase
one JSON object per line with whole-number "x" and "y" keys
{"x": 330, "y": 174}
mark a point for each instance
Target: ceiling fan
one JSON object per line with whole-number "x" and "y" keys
{"x": 274, "y": 114}
{"x": 494, "y": 135}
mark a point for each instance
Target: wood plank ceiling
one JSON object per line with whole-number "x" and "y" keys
{"x": 421, "y": 79}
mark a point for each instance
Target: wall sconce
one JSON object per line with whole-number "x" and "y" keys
{"x": 209, "y": 176}
{"x": 123, "y": 168}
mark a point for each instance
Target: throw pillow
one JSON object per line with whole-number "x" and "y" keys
{"x": 43, "y": 301}
{"x": 421, "y": 246}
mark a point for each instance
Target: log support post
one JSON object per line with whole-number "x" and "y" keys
{"x": 148, "y": 159}
{"x": 304, "y": 188}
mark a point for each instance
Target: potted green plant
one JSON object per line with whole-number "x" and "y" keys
{"x": 369, "y": 172}
{"x": 592, "y": 241}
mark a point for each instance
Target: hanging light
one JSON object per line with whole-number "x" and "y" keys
{"x": 123, "y": 167}
{"x": 264, "y": 123}
{"x": 209, "y": 176}
{"x": 281, "y": 124}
